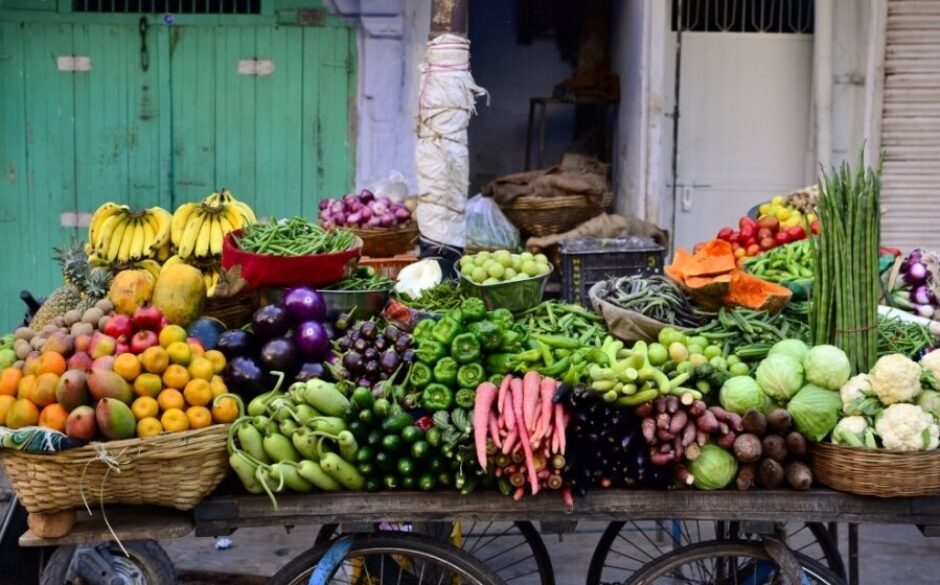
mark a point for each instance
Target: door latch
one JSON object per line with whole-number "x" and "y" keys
{"x": 144, "y": 54}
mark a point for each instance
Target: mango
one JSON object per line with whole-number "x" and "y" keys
{"x": 81, "y": 424}
{"x": 130, "y": 289}
{"x": 71, "y": 391}
{"x": 107, "y": 384}
{"x": 180, "y": 293}
{"x": 115, "y": 419}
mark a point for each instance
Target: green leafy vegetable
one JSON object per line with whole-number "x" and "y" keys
{"x": 815, "y": 411}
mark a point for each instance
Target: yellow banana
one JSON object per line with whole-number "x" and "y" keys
{"x": 215, "y": 239}
{"x": 234, "y": 218}
{"x": 136, "y": 250}
{"x": 205, "y": 236}
{"x": 105, "y": 234}
{"x": 160, "y": 220}
{"x": 171, "y": 261}
{"x": 95, "y": 260}
{"x": 148, "y": 237}
{"x": 127, "y": 240}
{"x": 207, "y": 280}
{"x": 187, "y": 243}
{"x": 151, "y": 266}
{"x": 215, "y": 280}
{"x": 163, "y": 252}
{"x": 117, "y": 241}
{"x": 103, "y": 212}
{"x": 180, "y": 220}
{"x": 245, "y": 210}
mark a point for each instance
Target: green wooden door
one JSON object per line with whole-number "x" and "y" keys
{"x": 195, "y": 118}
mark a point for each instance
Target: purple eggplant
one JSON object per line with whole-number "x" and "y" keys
{"x": 244, "y": 376}
{"x": 236, "y": 342}
{"x": 389, "y": 361}
{"x": 270, "y": 321}
{"x": 353, "y": 361}
{"x": 309, "y": 371}
{"x": 312, "y": 340}
{"x": 304, "y": 304}
{"x": 402, "y": 343}
{"x": 279, "y": 354}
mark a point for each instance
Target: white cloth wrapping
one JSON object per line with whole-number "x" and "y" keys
{"x": 446, "y": 100}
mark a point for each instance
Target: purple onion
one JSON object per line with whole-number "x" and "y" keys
{"x": 339, "y": 218}
{"x": 388, "y": 219}
{"x": 374, "y": 222}
{"x": 366, "y": 196}
{"x": 324, "y": 203}
{"x": 354, "y": 218}
{"x": 384, "y": 201}
{"x": 365, "y": 213}
{"x": 378, "y": 208}
{"x": 401, "y": 212}
{"x": 916, "y": 274}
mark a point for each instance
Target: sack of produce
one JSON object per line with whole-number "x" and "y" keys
{"x": 291, "y": 253}
{"x": 623, "y": 323}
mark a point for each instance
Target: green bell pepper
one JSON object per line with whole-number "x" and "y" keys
{"x": 470, "y": 375}
{"x": 466, "y": 398}
{"x": 487, "y": 333}
{"x": 473, "y": 309}
{"x": 498, "y": 363}
{"x": 465, "y": 348}
{"x": 430, "y": 351}
{"x": 445, "y": 330}
{"x": 511, "y": 341}
{"x": 445, "y": 371}
{"x": 502, "y": 317}
{"x": 421, "y": 375}
{"x": 437, "y": 397}
{"x": 422, "y": 330}
{"x": 455, "y": 314}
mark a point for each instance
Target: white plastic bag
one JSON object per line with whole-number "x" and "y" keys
{"x": 392, "y": 185}
{"x": 487, "y": 227}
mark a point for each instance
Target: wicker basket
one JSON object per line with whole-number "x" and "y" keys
{"x": 388, "y": 242}
{"x": 234, "y": 312}
{"x": 388, "y": 267}
{"x": 173, "y": 469}
{"x": 876, "y": 472}
{"x": 544, "y": 216}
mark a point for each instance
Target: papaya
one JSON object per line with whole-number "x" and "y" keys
{"x": 130, "y": 290}
{"x": 180, "y": 294}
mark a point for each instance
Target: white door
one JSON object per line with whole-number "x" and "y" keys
{"x": 744, "y": 126}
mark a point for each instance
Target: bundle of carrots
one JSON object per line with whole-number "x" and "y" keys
{"x": 521, "y": 425}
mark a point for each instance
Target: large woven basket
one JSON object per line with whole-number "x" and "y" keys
{"x": 383, "y": 243}
{"x": 234, "y": 312}
{"x": 176, "y": 470}
{"x": 544, "y": 216}
{"x": 876, "y": 472}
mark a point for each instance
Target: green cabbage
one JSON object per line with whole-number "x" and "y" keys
{"x": 780, "y": 376}
{"x": 742, "y": 393}
{"x": 929, "y": 400}
{"x": 827, "y": 366}
{"x": 714, "y": 469}
{"x": 795, "y": 348}
{"x": 815, "y": 411}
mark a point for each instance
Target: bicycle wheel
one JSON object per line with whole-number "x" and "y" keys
{"x": 625, "y": 547}
{"x": 513, "y": 550}
{"x": 391, "y": 558}
{"x": 728, "y": 562}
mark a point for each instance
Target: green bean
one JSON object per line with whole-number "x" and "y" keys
{"x": 654, "y": 296}
{"x": 559, "y": 318}
{"x": 437, "y": 299}
{"x": 294, "y": 237}
{"x": 359, "y": 283}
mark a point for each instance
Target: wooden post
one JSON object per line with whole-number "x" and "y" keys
{"x": 449, "y": 16}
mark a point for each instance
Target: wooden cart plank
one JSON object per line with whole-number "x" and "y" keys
{"x": 129, "y": 523}
{"x": 226, "y": 513}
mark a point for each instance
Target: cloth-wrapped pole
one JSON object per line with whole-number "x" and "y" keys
{"x": 446, "y": 100}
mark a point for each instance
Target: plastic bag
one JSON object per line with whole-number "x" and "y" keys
{"x": 392, "y": 185}
{"x": 487, "y": 227}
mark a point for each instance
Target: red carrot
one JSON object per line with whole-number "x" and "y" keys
{"x": 567, "y": 497}
{"x": 556, "y": 443}
{"x": 510, "y": 441}
{"x": 518, "y": 397}
{"x": 494, "y": 430}
{"x": 486, "y": 394}
{"x": 530, "y": 394}
{"x": 503, "y": 387}
{"x": 560, "y": 423}
{"x": 520, "y": 492}
{"x": 546, "y": 390}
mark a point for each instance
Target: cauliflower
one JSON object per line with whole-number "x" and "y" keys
{"x": 854, "y": 392}
{"x": 931, "y": 361}
{"x": 895, "y": 378}
{"x": 853, "y": 431}
{"x": 907, "y": 427}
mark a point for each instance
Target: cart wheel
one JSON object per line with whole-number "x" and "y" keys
{"x": 148, "y": 564}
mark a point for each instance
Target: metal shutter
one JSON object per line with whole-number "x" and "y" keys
{"x": 910, "y": 127}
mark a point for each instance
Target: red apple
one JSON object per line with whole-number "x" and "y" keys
{"x": 147, "y": 317}
{"x": 123, "y": 345}
{"x": 142, "y": 340}
{"x": 79, "y": 361}
{"x": 767, "y": 243}
{"x": 119, "y": 325}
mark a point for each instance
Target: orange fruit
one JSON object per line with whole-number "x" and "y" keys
{"x": 171, "y": 334}
{"x": 171, "y": 398}
{"x": 44, "y": 391}
{"x": 127, "y": 366}
{"x": 6, "y": 401}
{"x": 54, "y": 417}
{"x": 174, "y": 420}
{"x": 217, "y": 385}
{"x": 145, "y": 407}
{"x": 218, "y": 360}
{"x": 201, "y": 367}
{"x": 51, "y": 363}
{"x": 224, "y": 410}
{"x": 9, "y": 380}
{"x": 154, "y": 360}
{"x": 197, "y": 349}
{"x": 197, "y": 392}
{"x": 148, "y": 385}
{"x": 22, "y": 413}
{"x": 175, "y": 376}
{"x": 149, "y": 427}
{"x": 180, "y": 353}
{"x": 31, "y": 365}
{"x": 199, "y": 417}
{"x": 24, "y": 389}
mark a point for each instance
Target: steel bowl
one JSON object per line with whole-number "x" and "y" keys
{"x": 515, "y": 295}
{"x": 368, "y": 303}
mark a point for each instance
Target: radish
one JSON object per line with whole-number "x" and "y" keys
{"x": 486, "y": 394}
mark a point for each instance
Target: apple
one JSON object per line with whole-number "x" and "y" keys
{"x": 142, "y": 340}
{"x": 123, "y": 344}
{"x": 119, "y": 325}
{"x": 147, "y": 317}
{"x": 79, "y": 361}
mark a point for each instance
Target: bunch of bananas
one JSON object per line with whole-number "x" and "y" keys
{"x": 198, "y": 229}
{"x": 119, "y": 236}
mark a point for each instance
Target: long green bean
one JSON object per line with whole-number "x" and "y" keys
{"x": 294, "y": 237}
{"x": 437, "y": 299}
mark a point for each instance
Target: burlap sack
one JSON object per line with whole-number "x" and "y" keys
{"x": 623, "y": 324}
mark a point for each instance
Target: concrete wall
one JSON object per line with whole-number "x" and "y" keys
{"x": 849, "y": 53}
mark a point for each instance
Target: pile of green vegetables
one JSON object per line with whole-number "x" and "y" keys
{"x": 558, "y": 318}
{"x": 294, "y": 237}
{"x": 654, "y": 296}
{"x": 364, "y": 278}
{"x": 750, "y": 334}
{"x": 440, "y": 298}
{"x": 789, "y": 263}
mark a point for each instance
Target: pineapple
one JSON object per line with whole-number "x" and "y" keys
{"x": 94, "y": 288}
{"x": 82, "y": 287}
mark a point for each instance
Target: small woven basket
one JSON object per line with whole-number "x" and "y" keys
{"x": 545, "y": 216}
{"x": 876, "y": 472}
{"x": 176, "y": 470}
{"x": 234, "y": 312}
{"x": 382, "y": 243}
{"x": 388, "y": 267}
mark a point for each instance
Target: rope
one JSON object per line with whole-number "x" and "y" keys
{"x": 113, "y": 464}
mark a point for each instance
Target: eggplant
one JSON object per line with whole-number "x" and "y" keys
{"x": 360, "y": 345}
{"x": 408, "y": 356}
{"x": 402, "y": 343}
{"x": 244, "y": 376}
{"x": 364, "y": 382}
{"x": 391, "y": 333}
{"x": 279, "y": 354}
{"x": 309, "y": 371}
{"x": 371, "y": 368}
{"x": 304, "y": 304}
{"x": 312, "y": 340}
{"x": 353, "y": 361}
{"x": 370, "y": 354}
{"x": 380, "y": 343}
{"x": 331, "y": 331}
{"x": 342, "y": 322}
{"x": 236, "y": 342}
{"x": 368, "y": 330}
{"x": 344, "y": 344}
{"x": 389, "y": 361}
{"x": 270, "y": 321}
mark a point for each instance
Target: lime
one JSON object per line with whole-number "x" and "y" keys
{"x": 678, "y": 352}
{"x": 698, "y": 340}
{"x": 479, "y": 274}
{"x": 696, "y": 349}
{"x": 697, "y": 360}
{"x": 468, "y": 270}
{"x": 733, "y": 359}
{"x": 665, "y": 334}
{"x": 526, "y": 256}
{"x": 505, "y": 261}
{"x": 541, "y": 258}
{"x": 718, "y": 362}
{"x": 509, "y": 273}
{"x": 495, "y": 269}
{"x": 490, "y": 281}
{"x": 466, "y": 261}
{"x": 479, "y": 260}
{"x": 739, "y": 368}
{"x": 516, "y": 262}
{"x": 543, "y": 268}
{"x": 530, "y": 268}
{"x": 520, "y": 276}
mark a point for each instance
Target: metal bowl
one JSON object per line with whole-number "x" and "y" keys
{"x": 368, "y": 303}
{"x": 515, "y": 295}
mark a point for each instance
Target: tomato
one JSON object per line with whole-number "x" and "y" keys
{"x": 796, "y": 233}
{"x": 734, "y": 238}
{"x": 767, "y": 243}
{"x": 752, "y": 241}
{"x": 748, "y": 231}
{"x": 747, "y": 222}
{"x": 815, "y": 226}
{"x": 769, "y": 222}
{"x": 753, "y": 250}
{"x": 782, "y": 238}
{"x": 725, "y": 233}
{"x": 764, "y": 233}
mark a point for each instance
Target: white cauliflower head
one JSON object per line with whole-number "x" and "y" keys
{"x": 895, "y": 378}
{"x": 907, "y": 427}
{"x": 851, "y": 431}
{"x": 931, "y": 361}
{"x": 854, "y": 391}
